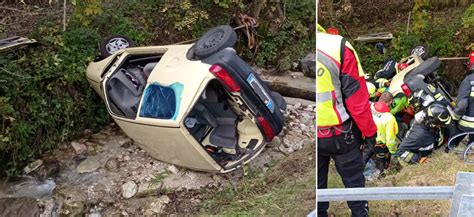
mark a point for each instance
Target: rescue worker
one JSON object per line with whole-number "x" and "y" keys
{"x": 343, "y": 116}
{"x": 464, "y": 110}
{"x": 387, "y": 129}
{"x": 421, "y": 139}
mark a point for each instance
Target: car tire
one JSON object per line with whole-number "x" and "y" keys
{"x": 421, "y": 50}
{"x": 114, "y": 43}
{"x": 215, "y": 40}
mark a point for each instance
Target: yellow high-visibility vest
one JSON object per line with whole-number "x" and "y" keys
{"x": 387, "y": 129}
{"x": 330, "y": 108}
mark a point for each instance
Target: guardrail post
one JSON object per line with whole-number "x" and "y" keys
{"x": 462, "y": 203}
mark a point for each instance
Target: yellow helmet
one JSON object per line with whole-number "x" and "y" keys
{"x": 319, "y": 28}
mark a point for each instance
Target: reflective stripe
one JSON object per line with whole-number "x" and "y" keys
{"x": 468, "y": 118}
{"x": 341, "y": 109}
{"x": 472, "y": 94}
{"x": 323, "y": 97}
{"x": 427, "y": 147}
{"x": 437, "y": 95}
{"x": 466, "y": 123}
{"x": 330, "y": 65}
{"x": 472, "y": 88}
{"x": 472, "y": 83}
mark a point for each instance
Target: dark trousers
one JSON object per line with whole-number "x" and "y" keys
{"x": 419, "y": 141}
{"x": 382, "y": 156}
{"x": 345, "y": 150}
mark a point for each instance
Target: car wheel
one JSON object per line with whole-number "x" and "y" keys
{"x": 114, "y": 43}
{"x": 215, "y": 40}
{"x": 421, "y": 50}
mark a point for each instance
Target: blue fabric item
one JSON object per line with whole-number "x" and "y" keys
{"x": 380, "y": 47}
{"x": 161, "y": 102}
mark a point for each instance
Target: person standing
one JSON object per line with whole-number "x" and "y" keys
{"x": 344, "y": 118}
{"x": 464, "y": 110}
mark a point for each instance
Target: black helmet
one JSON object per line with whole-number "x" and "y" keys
{"x": 438, "y": 115}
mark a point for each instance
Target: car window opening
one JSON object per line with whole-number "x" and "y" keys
{"x": 220, "y": 126}
{"x": 161, "y": 102}
{"x": 125, "y": 86}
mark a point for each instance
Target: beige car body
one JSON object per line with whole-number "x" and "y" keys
{"x": 396, "y": 84}
{"x": 165, "y": 139}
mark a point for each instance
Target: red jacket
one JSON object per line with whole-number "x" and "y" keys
{"x": 356, "y": 96}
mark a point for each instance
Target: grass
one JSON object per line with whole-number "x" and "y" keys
{"x": 287, "y": 188}
{"x": 441, "y": 170}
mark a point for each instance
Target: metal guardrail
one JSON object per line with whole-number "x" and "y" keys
{"x": 386, "y": 193}
{"x": 461, "y": 194}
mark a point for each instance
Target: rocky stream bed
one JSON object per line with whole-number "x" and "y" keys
{"x": 107, "y": 174}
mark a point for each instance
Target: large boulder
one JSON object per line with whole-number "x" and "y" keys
{"x": 308, "y": 65}
{"x": 20, "y": 206}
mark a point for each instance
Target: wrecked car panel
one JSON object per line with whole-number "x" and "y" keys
{"x": 180, "y": 111}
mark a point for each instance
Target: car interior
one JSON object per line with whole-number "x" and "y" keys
{"x": 220, "y": 126}
{"x": 125, "y": 87}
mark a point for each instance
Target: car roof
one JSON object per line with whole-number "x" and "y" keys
{"x": 175, "y": 68}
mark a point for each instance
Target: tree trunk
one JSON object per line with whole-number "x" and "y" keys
{"x": 256, "y": 8}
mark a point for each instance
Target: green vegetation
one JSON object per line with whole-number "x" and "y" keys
{"x": 440, "y": 170}
{"x": 44, "y": 96}
{"x": 288, "y": 187}
{"x": 447, "y": 32}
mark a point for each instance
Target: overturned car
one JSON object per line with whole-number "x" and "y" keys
{"x": 198, "y": 106}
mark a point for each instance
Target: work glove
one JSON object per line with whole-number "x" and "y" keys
{"x": 370, "y": 141}
{"x": 423, "y": 160}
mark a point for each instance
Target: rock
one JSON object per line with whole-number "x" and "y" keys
{"x": 79, "y": 148}
{"x": 32, "y": 166}
{"x": 129, "y": 189}
{"x": 191, "y": 180}
{"x": 97, "y": 193}
{"x": 125, "y": 142}
{"x": 73, "y": 201}
{"x": 292, "y": 143}
{"x": 297, "y": 105}
{"x": 75, "y": 208}
{"x": 48, "y": 207}
{"x": 147, "y": 189}
{"x": 276, "y": 141}
{"x": 308, "y": 65}
{"x": 87, "y": 132}
{"x": 48, "y": 169}
{"x": 295, "y": 66}
{"x": 159, "y": 204}
{"x": 90, "y": 164}
{"x": 21, "y": 206}
{"x": 173, "y": 169}
{"x": 291, "y": 101}
{"x": 112, "y": 164}
{"x": 94, "y": 214}
{"x": 297, "y": 75}
{"x": 126, "y": 158}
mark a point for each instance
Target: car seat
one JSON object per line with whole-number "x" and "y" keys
{"x": 124, "y": 89}
{"x": 214, "y": 109}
